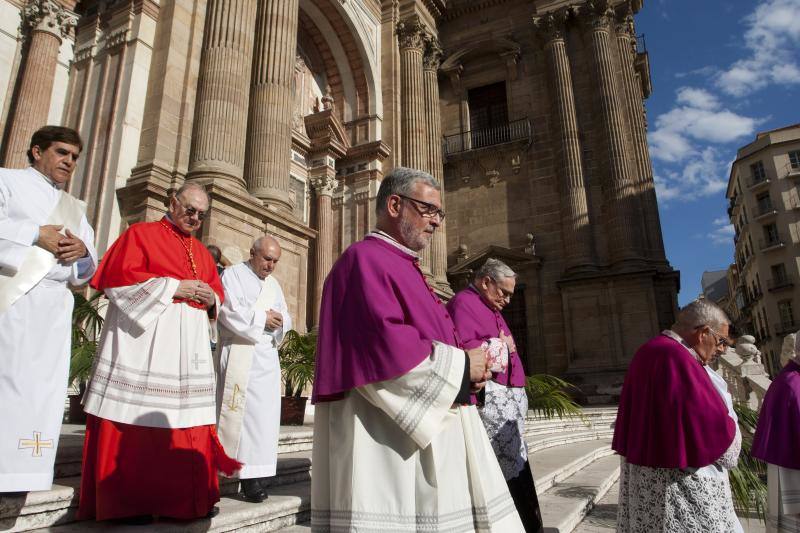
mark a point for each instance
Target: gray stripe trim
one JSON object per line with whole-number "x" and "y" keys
{"x": 146, "y": 389}
{"x": 141, "y": 401}
{"x": 424, "y": 395}
{"x": 114, "y": 366}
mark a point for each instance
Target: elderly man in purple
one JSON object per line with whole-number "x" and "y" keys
{"x": 397, "y": 445}
{"x": 476, "y": 313}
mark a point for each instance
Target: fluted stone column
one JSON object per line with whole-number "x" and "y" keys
{"x": 272, "y": 102}
{"x": 324, "y": 186}
{"x": 223, "y": 93}
{"x": 412, "y": 34}
{"x": 645, "y": 187}
{"x": 574, "y": 207}
{"x": 622, "y": 220}
{"x": 431, "y": 59}
{"x": 46, "y": 23}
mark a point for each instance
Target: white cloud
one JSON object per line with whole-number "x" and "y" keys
{"x": 703, "y": 173}
{"x": 722, "y": 234}
{"x": 698, "y": 98}
{"x": 721, "y": 221}
{"x": 772, "y": 39}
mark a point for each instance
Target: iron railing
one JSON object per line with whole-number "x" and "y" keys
{"x": 517, "y": 130}
{"x": 780, "y": 282}
{"x": 769, "y": 242}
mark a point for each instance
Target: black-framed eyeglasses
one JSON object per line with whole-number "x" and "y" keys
{"x": 506, "y": 294}
{"x": 722, "y": 341}
{"x": 191, "y": 211}
{"x": 425, "y": 209}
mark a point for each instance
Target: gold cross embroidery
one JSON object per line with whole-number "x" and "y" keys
{"x": 236, "y": 399}
{"x": 36, "y": 444}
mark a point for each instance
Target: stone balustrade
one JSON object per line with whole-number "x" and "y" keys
{"x": 743, "y": 372}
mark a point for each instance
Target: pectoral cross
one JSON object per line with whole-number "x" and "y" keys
{"x": 197, "y": 362}
{"x": 36, "y": 444}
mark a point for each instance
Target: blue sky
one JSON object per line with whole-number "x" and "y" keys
{"x": 721, "y": 71}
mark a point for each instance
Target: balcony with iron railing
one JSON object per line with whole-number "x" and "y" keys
{"x": 764, "y": 210}
{"x": 466, "y": 141}
{"x": 773, "y": 242}
{"x": 792, "y": 171}
{"x": 780, "y": 282}
{"x": 757, "y": 182}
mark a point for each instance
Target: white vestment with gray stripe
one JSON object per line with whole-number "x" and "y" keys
{"x": 396, "y": 456}
{"x": 154, "y": 365}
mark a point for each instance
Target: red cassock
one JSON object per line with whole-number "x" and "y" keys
{"x": 131, "y": 470}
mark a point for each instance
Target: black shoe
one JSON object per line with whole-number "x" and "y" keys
{"x": 139, "y": 520}
{"x": 264, "y": 482}
{"x": 212, "y": 513}
{"x": 252, "y": 491}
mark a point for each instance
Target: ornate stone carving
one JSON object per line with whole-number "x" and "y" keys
{"x": 597, "y": 15}
{"x": 552, "y": 25}
{"x": 411, "y": 33}
{"x": 324, "y": 185}
{"x": 433, "y": 53}
{"x": 49, "y": 16}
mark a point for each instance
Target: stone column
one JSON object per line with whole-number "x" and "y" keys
{"x": 412, "y": 34}
{"x": 271, "y": 102}
{"x": 223, "y": 92}
{"x": 431, "y": 59}
{"x": 324, "y": 184}
{"x": 645, "y": 187}
{"x": 574, "y": 208}
{"x": 620, "y": 198}
{"x": 46, "y": 23}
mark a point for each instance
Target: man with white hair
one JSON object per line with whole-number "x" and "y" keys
{"x": 676, "y": 431}
{"x": 397, "y": 445}
{"x": 777, "y": 439}
{"x": 252, "y": 323}
{"x": 476, "y": 312}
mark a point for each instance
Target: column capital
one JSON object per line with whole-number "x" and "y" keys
{"x": 432, "y": 55}
{"x": 623, "y": 22}
{"x": 411, "y": 33}
{"x": 596, "y": 15}
{"x": 48, "y": 16}
{"x": 324, "y": 185}
{"x": 552, "y": 25}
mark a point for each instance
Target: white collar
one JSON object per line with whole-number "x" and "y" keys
{"x": 53, "y": 184}
{"x": 382, "y": 235}
{"x": 674, "y": 336}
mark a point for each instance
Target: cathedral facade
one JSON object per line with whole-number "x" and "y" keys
{"x": 290, "y": 112}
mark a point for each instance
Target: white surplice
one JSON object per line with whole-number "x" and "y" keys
{"x": 34, "y": 335}
{"x": 396, "y": 456}
{"x": 238, "y": 320}
{"x": 154, "y": 366}
{"x": 783, "y": 512}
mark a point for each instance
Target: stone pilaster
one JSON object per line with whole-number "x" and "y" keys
{"x": 620, "y": 199}
{"x": 272, "y": 102}
{"x": 574, "y": 208}
{"x": 324, "y": 184}
{"x": 431, "y": 60}
{"x": 223, "y": 93}
{"x": 412, "y": 34}
{"x": 645, "y": 187}
{"x": 45, "y": 22}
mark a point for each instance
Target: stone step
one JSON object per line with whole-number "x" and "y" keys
{"x": 567, "y": 502}
{"x": 554, "y": 465}
{"x": 537, "y": 443}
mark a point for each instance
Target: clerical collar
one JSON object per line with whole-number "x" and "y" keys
{"x": 175, "y": 226}
{"x": 382, "y": 235}
{"x": 674, "y": 336}
{"x": 53, "y": 184}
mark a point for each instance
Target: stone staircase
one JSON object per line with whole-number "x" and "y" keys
{"x": 573, "y": 467}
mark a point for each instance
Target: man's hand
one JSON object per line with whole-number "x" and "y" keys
{"x": 49, "y": 238}
{"x": 205, "y": 294}
{"x": 509, "y": 340}
{"x": 274, "y": 320}
{"x": 199, "y": 291}
{"x": 71, "y": 248}
{"x": 478, "y": 371}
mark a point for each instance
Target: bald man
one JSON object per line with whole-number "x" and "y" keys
{"x": 252, "y": 322}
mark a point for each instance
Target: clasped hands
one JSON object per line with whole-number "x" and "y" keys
{"x": 479, "y": 372}
{"x": 66, "y": 248}
{"x": 196, "y": 290}
{"x": 274, "y": 320}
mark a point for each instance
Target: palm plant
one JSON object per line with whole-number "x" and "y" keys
{"x": 86, "y": 325}
{"x": 549, "y": 396}
{"x": 748, "y": 485}
{"x": 297, "y": 356}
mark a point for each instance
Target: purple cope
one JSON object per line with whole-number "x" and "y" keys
{"x": 378, "y": 318}
{"x": 777, "y": 434}
{"x": 476, "y": 322}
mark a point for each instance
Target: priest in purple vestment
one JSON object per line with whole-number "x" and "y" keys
{"x": 476, "y": 313}
{"x": 676, "y": 431}
{"x": 777, "y": 438}
{"x": 396, "y": 439}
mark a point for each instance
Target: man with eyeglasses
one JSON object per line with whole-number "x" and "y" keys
{"x": 396, "y": 441}
{"x": 676, "y": 431}
{"x": 151, "y": 445}
{"x": 476, "y": 312}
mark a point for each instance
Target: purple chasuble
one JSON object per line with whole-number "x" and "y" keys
{"x": 777, "y": 438}
{"x": 670, "y": 415}
{"x": 378, "y": 318}
{"x": 476, "y": 322}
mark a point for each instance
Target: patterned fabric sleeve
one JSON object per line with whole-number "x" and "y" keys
{"x": 420, "y": 401}
{"x": 730, "y": 458}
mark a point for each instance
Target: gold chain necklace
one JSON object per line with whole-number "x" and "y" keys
{"x": 186, "y": 247}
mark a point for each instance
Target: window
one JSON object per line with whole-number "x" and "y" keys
{"x": 771, "y": 234}
{"x": 764, "y": 203}
{"x": 794, "y": 159}
{"x": 488, "y": 115}
{"x": 778, "y": 273}
{"x": 786, "y": 313}
{"x": 757, "y": 172}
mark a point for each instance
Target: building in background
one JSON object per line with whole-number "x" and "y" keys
{"x": 764, "y": 198}
{"x": 289, "y": 112}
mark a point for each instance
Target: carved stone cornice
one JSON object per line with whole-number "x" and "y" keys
{"x": 432, "y": 54}
{"x": 411, "y": 33}
{"x": 552, "y": 26}
{"x": 48, "y": 16}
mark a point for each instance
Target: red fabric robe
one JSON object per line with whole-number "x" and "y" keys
{"x": 131, "y": 470}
